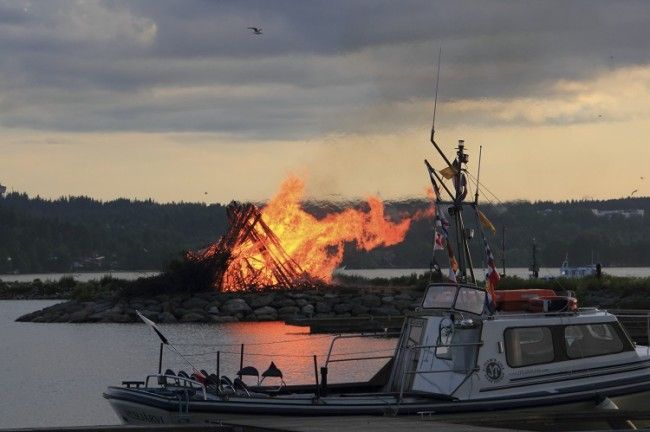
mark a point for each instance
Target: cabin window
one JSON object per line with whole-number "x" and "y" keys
{"x": 527, "y": 346}
{"x": 471, "y": 300}
{"x": 589, "y": 340}
{"x": 440, "y": 296}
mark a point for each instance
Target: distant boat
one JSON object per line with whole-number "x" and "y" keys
{"x": 577, "y": 272}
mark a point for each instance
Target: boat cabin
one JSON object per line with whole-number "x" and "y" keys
{"x": 456, "y": 346}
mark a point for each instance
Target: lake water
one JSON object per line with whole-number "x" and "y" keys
{"x": 521, "y": 272}
{"x": 54, "y": 374}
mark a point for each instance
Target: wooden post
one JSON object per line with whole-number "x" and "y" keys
{"x": 241, "y": 360}
{"x": 218, "y": 364}
{"x": 160, "y": 359}
{"x": 317, "y": 392}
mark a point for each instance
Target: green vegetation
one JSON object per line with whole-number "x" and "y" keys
{"x": 82, "y": 234}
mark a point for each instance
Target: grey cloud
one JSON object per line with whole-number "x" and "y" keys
{"x": 93, "y": 65}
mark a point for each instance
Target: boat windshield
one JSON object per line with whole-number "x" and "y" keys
{"x": 442, "y": 296}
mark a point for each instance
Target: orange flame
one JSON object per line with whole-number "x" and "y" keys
{"x": 315, "y": 245}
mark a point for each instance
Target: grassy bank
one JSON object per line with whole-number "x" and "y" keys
{"x": 607, "y": 291}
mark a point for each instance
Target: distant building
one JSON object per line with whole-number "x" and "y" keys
{"x": 628, "y": 213}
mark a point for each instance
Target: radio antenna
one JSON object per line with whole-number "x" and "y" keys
{"x": 435, "y": 100}
{"x": 433, "y": 123}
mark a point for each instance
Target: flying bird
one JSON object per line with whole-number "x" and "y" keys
{"x": 633, "y": 192}
{"x": 256, "y": 30}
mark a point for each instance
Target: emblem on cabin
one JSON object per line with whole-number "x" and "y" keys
{"x": 493, "y": 370}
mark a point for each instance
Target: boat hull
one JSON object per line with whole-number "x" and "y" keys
{"x": 141, "y": 407}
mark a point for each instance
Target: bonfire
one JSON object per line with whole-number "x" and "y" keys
{"x": 283, "y": 246}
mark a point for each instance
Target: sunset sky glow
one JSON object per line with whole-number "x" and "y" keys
{"x": 179, "y": 101}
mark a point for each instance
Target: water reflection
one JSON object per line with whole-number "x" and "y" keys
{"x": 63, "y": 368}
{"x": 289, "y": 347}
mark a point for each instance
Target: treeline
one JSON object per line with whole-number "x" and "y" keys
{"x": 79, "y": 233}
{"x": 83, "y": 234}
{"x": 558, "y": 229}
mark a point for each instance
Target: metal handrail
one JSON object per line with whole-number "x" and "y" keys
{"x": 353, "y": 336}
{"x": 187, "y": 382}
{"x": 360, "y": 358}
{"x": 446, "y": 345}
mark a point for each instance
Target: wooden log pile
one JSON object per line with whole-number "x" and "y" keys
{"x": 250, "y": 255}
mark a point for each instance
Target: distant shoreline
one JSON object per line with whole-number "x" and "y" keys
{"x": 368, "y": 273}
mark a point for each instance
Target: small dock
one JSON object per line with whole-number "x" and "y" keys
{"x": 636, "y": 322}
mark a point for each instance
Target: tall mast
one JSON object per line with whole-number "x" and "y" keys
{"x": 460, "y": 186}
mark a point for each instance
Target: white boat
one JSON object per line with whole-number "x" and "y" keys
{"x": 577, "y": 272}
{"x": 453, "y": 356}
{"x": 459, "y": 352}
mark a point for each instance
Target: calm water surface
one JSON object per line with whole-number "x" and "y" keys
{"x": 54, "y": 374}
{"x": 521, "y": 272}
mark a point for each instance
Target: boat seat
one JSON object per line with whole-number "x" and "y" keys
{"x": 242, "y": 390}
{"x": 183, "y": 374}
{"x": 170, "y": 372}
{"x": 225, "y": 381}
{"x": 273, "y": 372}
{"x": 212, "y": 379}
{"x": 249, "y": 371}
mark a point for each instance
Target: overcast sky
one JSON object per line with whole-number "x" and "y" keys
{"x": 173, "y": 99}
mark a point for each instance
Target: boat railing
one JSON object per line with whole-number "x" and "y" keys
{"x": 336, "y": 338}
{"x": 508, "y": 315}
{"x": 178, "y": 383}
{"x": 636, "y": 322}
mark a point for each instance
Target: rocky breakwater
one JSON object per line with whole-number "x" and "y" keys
{"x": 213, "y": 307}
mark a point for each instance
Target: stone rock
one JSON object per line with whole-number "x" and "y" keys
{"x": 167, "y": 318}
{"x": 152, "y": 315}
{"x": 307, "y": 310}
{"x": 78, "y": 316}
{"x": 371, "y": 300}
{"x": 388, "y": 299}
{"x": 342, "y": 308}
{"x": 301, "y": 302}
{"x": 288, "y": 310}
{"x": 195, "y": 303}
{"x": 264, "y": 317}
{"x": 102, "y": 306}
{"x": 259, "y": 301}
{"x": 236, "y": 306}
{"x": 179, "y": 312}
{"x": 282, "y": 302}
{"x": 385, "y": 311}
{"x": 214, "y": 310}
{"x": 402, "y": 304}
{"x": 116, "y": 318}
{"x": 322, "y": 307}
{"x": 192, "y": 317}
{"x": 222, "y": 319}
{"x": 359, "y": 309}
{"x": 265, "y": 310}
{"x": 404, "y": 296}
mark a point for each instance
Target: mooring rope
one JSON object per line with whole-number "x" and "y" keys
{"x": 256, "y": 343}
{"x": 289, "y": 355}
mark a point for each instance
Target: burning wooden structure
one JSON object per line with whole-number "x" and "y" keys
{"x": 250, "y": 255}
